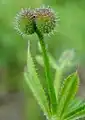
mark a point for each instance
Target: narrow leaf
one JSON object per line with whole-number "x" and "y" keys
{"x": 78, "y": 112}
{"x": 33, "y": 81}
{"x": 40, "y": 61}
{"x": 52, "y": 61}
{"x": 67, "y": 93}
{"x": 58, "y": 71}
{"x": 75, "y": 103}
{"x": 57, "y": 81}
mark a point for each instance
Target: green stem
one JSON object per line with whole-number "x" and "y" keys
{"x": 49, "y": 80}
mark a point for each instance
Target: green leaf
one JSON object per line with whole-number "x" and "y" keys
{"x": 68, "y": 90}
{"x": 54, "y": 66}
{"x": 58, "y": 71}
{"x": 57, "y": 80}
{"x": 40, "y": 61}
{"x": 78, "y": 112}
{"x": 52, "y": 61}
{"x": 75, "y": 103}
{"x": 34, "y": 83}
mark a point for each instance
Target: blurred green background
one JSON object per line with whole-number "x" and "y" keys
{"x": 71, "y": 34}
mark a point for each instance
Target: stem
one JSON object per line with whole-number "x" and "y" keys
{"x": 49, "y": 80}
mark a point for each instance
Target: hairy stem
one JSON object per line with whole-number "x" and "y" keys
{"x": 49, "y": 80}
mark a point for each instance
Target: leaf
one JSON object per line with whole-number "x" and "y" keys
{"x": 75, "y": 103}
{"x": 33, "y": 81}
{"x": 58, "y": 72}
{"x": 68, "y": 90}
{"x": 57, "y": 80}
{"x": 78, "y": 112}
{"x": 52, "y": 61}
{"x": 39, "y": 59}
